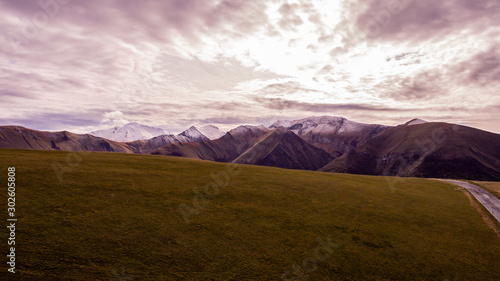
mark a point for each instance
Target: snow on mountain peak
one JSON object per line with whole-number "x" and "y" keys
{"x": 192, "y": 135}
{"x": 314, "y": 120}
{"x": 415, "y": 121}
{"x": 322, "y": 125}
{"x": 191, "y": 132}
{"x": 211, "y": 132}
{"x": 129, "y": 132}
{"x": 245, "y": 128}
{"x": 281, "y": 123}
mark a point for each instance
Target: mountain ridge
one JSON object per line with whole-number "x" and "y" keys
{"x": 283, "y": 148}
{"x": 134, "y": 131}
{"x": 335, "y": 135}
{"x": 409, "y": 149}
{"x": 432, "y": 149}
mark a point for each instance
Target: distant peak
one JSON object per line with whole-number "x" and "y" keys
{"x": 129, "y": 132}
{"x": 415, "y": 121}
{"x": 191, "y": 130}
{"x": 212, "y": 132}
{"x": 245, "y": 128}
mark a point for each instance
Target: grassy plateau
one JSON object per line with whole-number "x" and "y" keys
{"x": 110, "y": 216}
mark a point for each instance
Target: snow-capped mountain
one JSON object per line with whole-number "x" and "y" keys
{"x": 246, "y": 129}
{"x": 224, "y": 149}
{"x": 129, "y": 132}
{"x": 192, "y": 135}
{"x": 336, "y": 135}
{"x": 320, "y": 125}
{"x": 415, "y": 121}
{"x": 135, "y": 131}
{"x": 211, "y": 132}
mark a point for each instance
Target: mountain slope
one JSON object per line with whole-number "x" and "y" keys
{"x": 225, "y": 149}
{"x": 282, "y": 148}
{"x": 129, "y": 132}
{"x": 437, "y": 150}
{"x": 16, "y": 137}
{"x": 149, "y": 145}
{"x": 335, "y": 135}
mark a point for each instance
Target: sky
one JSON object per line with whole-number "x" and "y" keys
{"x": 86, "y": 65}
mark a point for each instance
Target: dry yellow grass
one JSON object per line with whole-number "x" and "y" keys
{"x": 491, "y": 186}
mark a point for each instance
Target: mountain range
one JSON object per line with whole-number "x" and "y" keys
{"x": 435, "y": 150}
{"x": 134, "y": 131}
{"x": 329, "y": 144}
{"x": 335, "y": 135}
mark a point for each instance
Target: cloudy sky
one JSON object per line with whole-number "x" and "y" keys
{"x": 84, "y": 65}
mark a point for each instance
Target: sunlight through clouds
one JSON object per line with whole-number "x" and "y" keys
{"x": 154, "y": 58}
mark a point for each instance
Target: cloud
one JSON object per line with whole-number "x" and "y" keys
{"x": 425, "y": 20}
{"x": 289, "y": 18}
{"x": 181, "y": 62}
{"x": 423, "y": 86}
{"x": 9, "y": 95}
{"x": 114, "y": 118}
{"x": 483, "y": 69}
{"x": 55, "y": 121}
{"x": 282, "y": 104}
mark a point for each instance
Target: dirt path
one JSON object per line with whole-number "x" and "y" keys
{"x": 488, "y": 200}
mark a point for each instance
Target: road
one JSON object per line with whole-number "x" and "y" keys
{"x": 488, "y": 200}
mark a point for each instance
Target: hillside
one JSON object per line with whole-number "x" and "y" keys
{"x": 284, "y": 149}
{"x": 116, "y": 217}
{"x": 150, "y": 145}
{"x": 225, "y": 149}
{"x": 22, "y": 138}
{"x": 17, "y": 137}
{"x": 434, "y": 150}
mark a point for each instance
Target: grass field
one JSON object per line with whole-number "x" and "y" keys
{"x": 116, "y": 217}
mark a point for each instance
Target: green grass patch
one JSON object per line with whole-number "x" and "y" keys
{"x": 116, "y": 216}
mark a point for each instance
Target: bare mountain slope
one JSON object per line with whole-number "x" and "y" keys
{"x": 282, "y": 148}
{"x": 437, "y": 150}
{"x": 147, "y": 146}
{"x": 23, "y": 138}
{"x": 225, "y": 149}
